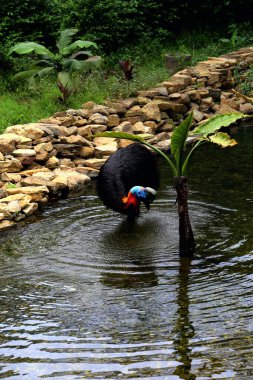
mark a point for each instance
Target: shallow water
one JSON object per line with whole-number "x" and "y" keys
{"x": 85, "y": 297}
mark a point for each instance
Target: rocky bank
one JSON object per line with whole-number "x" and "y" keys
{"x": 55, "y": 157}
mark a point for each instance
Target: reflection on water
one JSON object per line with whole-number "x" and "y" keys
{"x": 84, "y": 296}
{"x": 183, "y": 327}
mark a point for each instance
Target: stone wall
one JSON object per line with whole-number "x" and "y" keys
{"x": 54, "y": 158}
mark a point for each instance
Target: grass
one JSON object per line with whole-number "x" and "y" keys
{"x": 20, "y": 105}
{"x": 15, "y": 108}
{"x": 24, "y": 106}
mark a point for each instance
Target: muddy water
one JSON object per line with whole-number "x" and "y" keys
{"x": 85, "y": 297}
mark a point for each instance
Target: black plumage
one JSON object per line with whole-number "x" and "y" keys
{"x": 132, "y": 166}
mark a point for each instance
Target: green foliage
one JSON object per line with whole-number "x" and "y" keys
{"x": 179, "y": 161}
{"x": 222, "y": 139}
{"x": 244, "y": 79}
{"x": 178, "y": 142}
{"x": 65, "y": 85}
{"x": 208, "y": 132}
{"x": 10, "y": 185}
{"x": 237, "y": 37}
{"x": 17, "y": 22}
{"x": 60, "y": 63}
{"x": 118, "y": 23}
{"x": 115, "y": 24}
{"x": 25, "y": 106}
{"x": 30, "y": 47}
{"x": 215, "y": 123}
{"x": 19, "y": 104}
{"x": 27, "y": 20}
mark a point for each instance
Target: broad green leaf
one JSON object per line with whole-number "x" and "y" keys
{"x": 71, "y": 65}
{"x": 178, "y": 142}
{"x": 45, "y": 71}
{"x": 65, "y": 39}
{"x": 215, "y": 123}
{"x": 64, "y": 79}
{"x": 30, "y": 47}
{"x": 24, "y": 75}
{"x": 43, "y": 63}
{"x": 27, "y": 75}
{"x": 79, "y": 44}
{"x": 180, "y": 134}
{"x": 91, "y": 63}
{"x": 222, "y": 139}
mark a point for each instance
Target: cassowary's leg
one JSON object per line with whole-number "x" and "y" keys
{"x": 132, "y": 215}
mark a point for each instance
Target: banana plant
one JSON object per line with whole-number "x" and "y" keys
{"x": 69, "y": 58}
{"x": 179, "y": 159}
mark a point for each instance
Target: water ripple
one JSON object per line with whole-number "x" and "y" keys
{"x": 84, "y": 296}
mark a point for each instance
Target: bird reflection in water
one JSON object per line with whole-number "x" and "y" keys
{"x": 127, "y": 246}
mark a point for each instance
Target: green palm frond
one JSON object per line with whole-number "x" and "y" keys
{"x": 45, "y": 71}
{"x": 68, "y": 59}
{"x": 65, "y": 39}
{"x": 79, "y": 44}
{"x": 215, "y": 123}
{"x": 43, "y": 63}
{"x": 71, "y": 65}
{"x": 30, "y": 47}
{"x": 24, "y": 75}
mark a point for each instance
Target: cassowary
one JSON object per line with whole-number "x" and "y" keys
{"x": 127, "y": 178}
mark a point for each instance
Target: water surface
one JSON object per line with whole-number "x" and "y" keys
{"x": 85, "y": 297}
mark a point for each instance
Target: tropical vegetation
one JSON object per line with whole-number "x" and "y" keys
{"x": 136, "y": 31}
{"x": 178, "y": 162}
{"x": 132, "y": 38}
{"x": 68, "y": 59}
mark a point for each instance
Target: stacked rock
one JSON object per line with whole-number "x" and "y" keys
{"x": 59, "y": 156}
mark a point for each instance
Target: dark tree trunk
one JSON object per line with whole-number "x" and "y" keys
{"x": 186, "y": 238}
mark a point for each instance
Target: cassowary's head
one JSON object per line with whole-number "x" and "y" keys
{"x": 136, "y": 195}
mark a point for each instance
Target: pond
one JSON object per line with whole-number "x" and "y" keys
{"x": 85, "y": 297}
